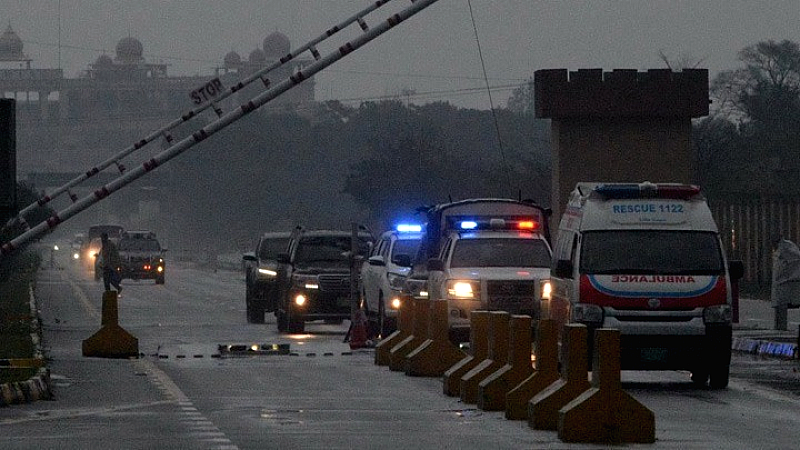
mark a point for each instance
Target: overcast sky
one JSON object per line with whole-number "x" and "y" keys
{"x": 435, "y": 53}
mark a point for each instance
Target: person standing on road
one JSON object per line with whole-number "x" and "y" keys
{"x": 110, "y": 260}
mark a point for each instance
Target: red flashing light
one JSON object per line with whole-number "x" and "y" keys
{"x": 527, "y": 225}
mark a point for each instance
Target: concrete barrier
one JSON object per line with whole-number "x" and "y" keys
{"x": 493, "y": 389}
{"x": 496, "y": 358}
{"x": 434, "y": 356}
{"x": 605, "y": 413}
{"x": 546, "y": 372}
{"x": 544, "y": 406}
{"x": 479, "y": 347}
{"x": 404, "y": 319}
{"x": 419, "y": 327}
{"x": 111, "y": 341}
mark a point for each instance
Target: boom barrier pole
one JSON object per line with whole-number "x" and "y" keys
{"x": 310, "y": 46}
{"x": 219, "y": 124}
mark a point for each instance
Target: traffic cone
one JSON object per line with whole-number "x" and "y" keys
{"x": 358, "y": 331}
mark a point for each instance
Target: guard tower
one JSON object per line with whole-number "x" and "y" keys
{"x": 622, "y": 126}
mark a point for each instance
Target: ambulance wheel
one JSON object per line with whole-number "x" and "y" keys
{"x": 719, "y": 376}
{"x": 699, "y": 377}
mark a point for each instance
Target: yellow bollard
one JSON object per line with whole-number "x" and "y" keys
{"x": 605, "y": 413}
{"x": 543, "y": 407}
{"x": 493, "y": 389}
{"x": 383, "y": 347}
{"x": 434, "y": 356}
{"x": 546, "y": 372}
{"x": 397, "y": 355}
{"x": 479, "y": 347}
{"x": 111, "y": 341}
{"x": 497, "y": 357}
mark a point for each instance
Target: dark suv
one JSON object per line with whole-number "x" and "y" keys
{"x": 261, "y": 275}
{"x": 142, "y": 256}
{"x": 314, "y": 278}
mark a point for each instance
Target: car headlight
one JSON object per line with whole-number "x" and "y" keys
{"x": 467, "y": 289}
{"x": 263, "y": 271}
{"x": 395, "y": 280}
{"x": 587, "y": 313}
{"x": 415, "y": 287}
{"x": 717, "y": 314}
{"x": 396, "y": 303}
{"x": 306, "y": 282}
{"x": 545, "y": 290}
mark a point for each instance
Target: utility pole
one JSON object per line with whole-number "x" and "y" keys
{"x": 8, "y": 159}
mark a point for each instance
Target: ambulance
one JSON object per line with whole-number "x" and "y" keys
{"x": 647, "y": 259}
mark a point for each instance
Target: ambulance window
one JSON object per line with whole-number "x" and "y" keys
{"x": 651, "y": 252}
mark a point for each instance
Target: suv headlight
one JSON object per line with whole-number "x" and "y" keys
{"x": 466, "y": 289}
{"x": 266, "y": 272}
{"x": 717, "y": 314}
{"x": 306, "y": 282}
{"x": 416, "y": 287}
{"x": 587, "y": 313}
{"x": 395, "y": 280}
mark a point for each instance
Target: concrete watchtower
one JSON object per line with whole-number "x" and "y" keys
{"x": 623, "y": 125}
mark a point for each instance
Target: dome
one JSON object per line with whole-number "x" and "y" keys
{"x": 277, "y": 45}
{"x": 232, "y": 59}
{"x": 129, "y": 50}
{"x": 10, "y": 44}
{"x": 257, "y": 56}
{"x": 103, "y": 61}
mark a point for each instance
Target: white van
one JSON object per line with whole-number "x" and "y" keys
{"x": 647, "y": 259}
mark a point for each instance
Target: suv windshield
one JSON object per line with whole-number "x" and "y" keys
{"x": 269, "y": 248}
{"x": 651, "y": 252}
{"x": 139, "y": 245}
{"x": 327, "y": 250}
{"x": 405, "y": 247}
{"x": 501, "y": 252}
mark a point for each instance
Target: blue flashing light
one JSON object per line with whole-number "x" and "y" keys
{"x": 469, "y": 225}
{"x": 408, "y": 228}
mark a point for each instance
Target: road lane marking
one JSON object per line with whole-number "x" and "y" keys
{"x": 197, "y": 425}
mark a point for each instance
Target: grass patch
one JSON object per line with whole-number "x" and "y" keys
{"x": 16, "y": 275}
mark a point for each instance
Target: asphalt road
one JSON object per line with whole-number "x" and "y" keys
{"x": 183, "y": 393}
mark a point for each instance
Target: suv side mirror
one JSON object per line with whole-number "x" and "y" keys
{"x": 402, "y": 260}
{"x": 563, "y": 269}
{"x": 283, "y": 258}
{"x": 249, "y": 257}
{"x": 435, "y": 264}
{"x": 736, "y": 269}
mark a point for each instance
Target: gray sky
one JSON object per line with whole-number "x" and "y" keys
{"x": 435, "y": 52}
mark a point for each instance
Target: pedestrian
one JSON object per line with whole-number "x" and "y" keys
{"x": 109, "y": 261}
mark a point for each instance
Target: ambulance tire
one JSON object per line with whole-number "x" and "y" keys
{"x": 719, "y": 376}
{"x": 699, "y": 377}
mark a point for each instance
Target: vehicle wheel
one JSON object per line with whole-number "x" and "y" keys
{"x": 160, "y": 280}
{"x": 699, "y": 377}
{"x": 719, "y": 376}
{"x": 295, "y": 324}
{"x": 281, "y": 320}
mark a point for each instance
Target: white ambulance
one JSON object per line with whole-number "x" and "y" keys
{"x": 647, "y": 259}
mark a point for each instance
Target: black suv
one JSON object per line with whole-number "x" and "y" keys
{"x": 261, "y": 275}
{"x": 142, "y": 256}
{"x": 314, "y": 277}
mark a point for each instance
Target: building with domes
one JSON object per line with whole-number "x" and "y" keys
{"x": 66, "y": 126}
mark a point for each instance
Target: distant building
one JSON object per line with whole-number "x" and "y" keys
{"x": 66, "y": 126}
{"x": 71, "y": 124}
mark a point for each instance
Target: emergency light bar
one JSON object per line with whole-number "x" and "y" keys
{"x": 493, "y": 223}
{"x": 408, "y": 228}
{"x": 647, "y": 190}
